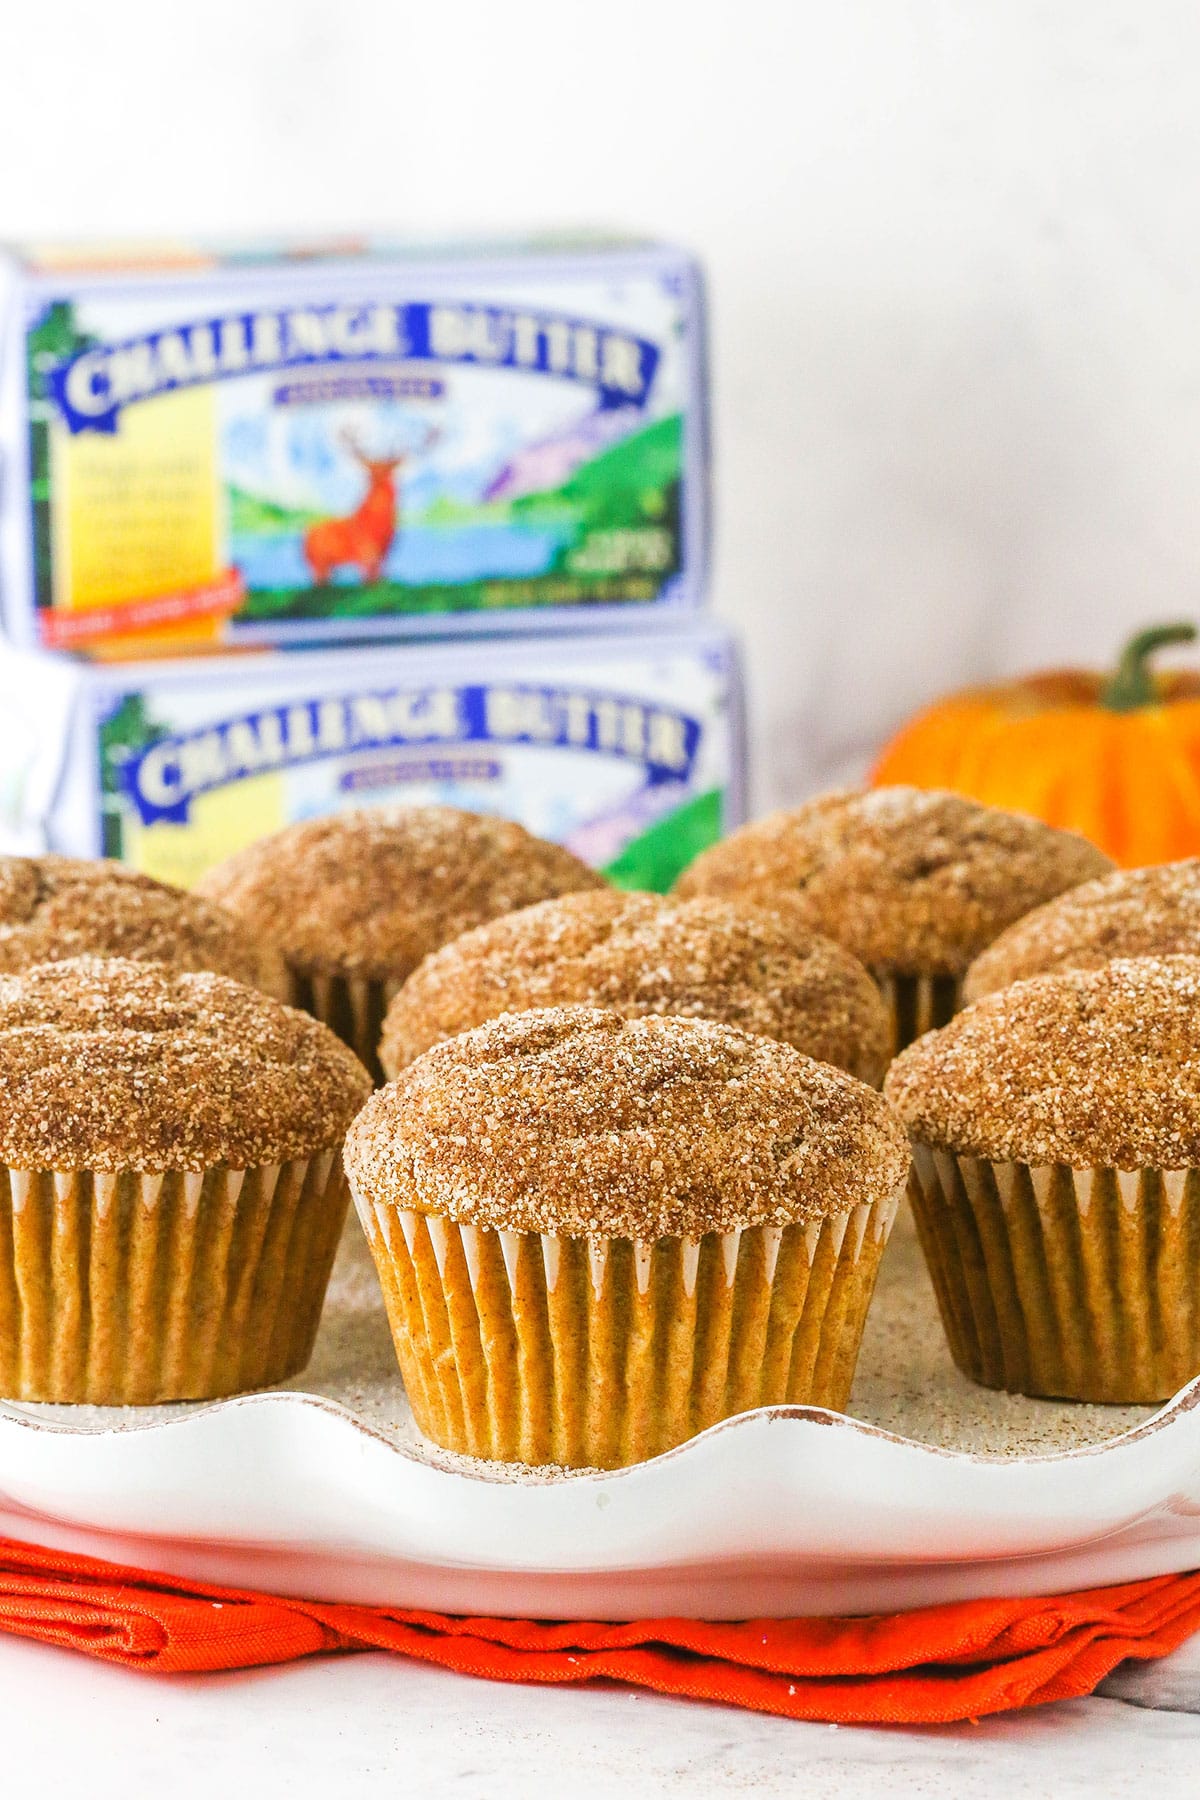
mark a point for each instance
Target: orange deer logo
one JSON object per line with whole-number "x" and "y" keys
{"x": 363, "y": 538}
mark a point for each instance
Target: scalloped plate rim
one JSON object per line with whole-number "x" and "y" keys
{"x": 463, "y": 1539}
{"x": 1180, "y": 1405}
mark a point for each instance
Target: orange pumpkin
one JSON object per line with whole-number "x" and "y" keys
{"x": 1115, "y": 756}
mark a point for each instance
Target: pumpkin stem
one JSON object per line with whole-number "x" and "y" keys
{"x": 1131, "y": 683}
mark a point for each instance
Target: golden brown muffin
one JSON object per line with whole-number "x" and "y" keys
{"x": 638, "y": 954}
{"x": 913, "y": 882}
{"x": 170, "y": 1190}
{"x": 599, "y": 1235}
{"x": 1135, "y": 912}
{"x": 55, "y": 907}
{"x": 1056, "y": 1130}
{"x": 355, "y": 900}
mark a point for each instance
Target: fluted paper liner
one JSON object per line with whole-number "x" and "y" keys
{"x": 917, "y": 1003}
{"x": 1076, "y": 1284}
{"x": 128, "y": 1289}
{"x": 353, "y": 1007}
{"x": 596, "y": 1353}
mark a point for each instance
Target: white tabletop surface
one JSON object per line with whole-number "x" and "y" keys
{"x": 339, "y": 1728}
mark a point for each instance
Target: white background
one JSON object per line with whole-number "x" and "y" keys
{"x": 383, "y": 1728}
{"x": 953, "y": 250}
{"x": 955, "y": 270}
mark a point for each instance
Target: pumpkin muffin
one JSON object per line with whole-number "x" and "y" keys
{"x": 55, "y": 907}
{"x": 913, "y": 883}
{"x": 598, "y": 1235}
{"x": 638, "y": 954}
{"x": 355, "y": 900}
{"x": 171, "y": 1194}
{"x": 1136, "y": 912}
{"x": 1056, "y": 1183}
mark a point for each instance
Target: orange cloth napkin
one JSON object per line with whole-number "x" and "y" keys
{"x": 941, "y": 1664}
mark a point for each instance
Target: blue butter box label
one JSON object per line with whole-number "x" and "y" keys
{"x": 626, "y": 748}
{"x": 279, "y": 451}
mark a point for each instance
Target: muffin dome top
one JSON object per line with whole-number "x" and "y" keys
{"x": 1135, "y": 912}
{"x": 1097, "y": 1068}
{"x": 111, "y": 1064}
{"x": 637, "y": 954}
{"x": 372, "y": 892}
{"x": 907, "y": 879}
{"x": 578, "y": 1121}
{"x": 54, "y": 907}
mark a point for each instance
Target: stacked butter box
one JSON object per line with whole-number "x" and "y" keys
{"x": 291, "y": 529}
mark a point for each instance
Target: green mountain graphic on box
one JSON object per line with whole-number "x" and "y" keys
{"x": 629, "y": 482}
{"x": 660, "y": 854}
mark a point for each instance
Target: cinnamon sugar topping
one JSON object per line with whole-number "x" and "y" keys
{"x": 576, "y": 1121}
{"x": 107, "y": 1063}
{"x": 1094, "y": 1068}
{"x": 908, "y": 880}
{"x": 371, "y": 892}
{"x": 53, "y": 907}
{"x": 639, "y": 954}
{"x": 1135, "y": 912}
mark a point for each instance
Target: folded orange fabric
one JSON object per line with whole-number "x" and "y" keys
{"x": 935, "y": 1666}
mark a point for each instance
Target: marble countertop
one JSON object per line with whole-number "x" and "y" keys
{"x": 356, "y": 1727}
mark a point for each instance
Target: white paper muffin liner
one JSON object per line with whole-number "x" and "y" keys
{"x": 353, "y": 1007}
{"x": 1069, "y": 1283}
{"x": 596, "y": 1352}
{"x": 131, "y": 1288}
{"x": 917, "y": 1003}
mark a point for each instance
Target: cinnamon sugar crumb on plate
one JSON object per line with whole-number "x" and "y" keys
{"x": 905, "y": 1383}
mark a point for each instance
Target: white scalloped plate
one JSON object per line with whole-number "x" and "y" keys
{"x": 778, "y": 1512}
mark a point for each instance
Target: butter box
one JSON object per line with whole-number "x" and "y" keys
{"x": 283, "y": 445}
{"x": 628, "y": 747}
